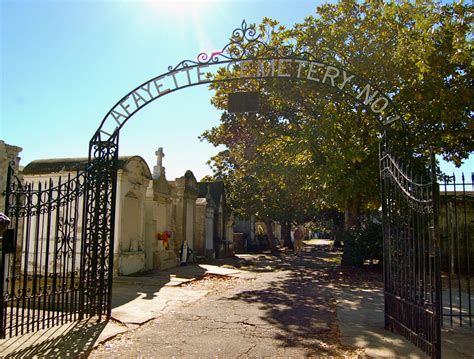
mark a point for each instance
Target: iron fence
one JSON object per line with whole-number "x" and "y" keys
{"x": 456, "y": 228}
{"x": 41, "y": 255}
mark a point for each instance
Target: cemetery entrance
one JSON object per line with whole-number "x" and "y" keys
{"x": 57, "y": 257}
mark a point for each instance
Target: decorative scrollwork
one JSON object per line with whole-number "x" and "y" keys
{"x": 245, "y": 43}
{"x": 245, "y": 33}
{"x": 418, "y": 196}
{"x": 26, "y": 200}
{"x": 205, "y": 58}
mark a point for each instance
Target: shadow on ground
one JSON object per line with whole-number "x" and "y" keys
{"x": 305, "y": 304}
{"x": 302, "y": 305}
{"x": 62, "y": 342}
{"x": 360, "y": 310}
{"x": 147, "y": 285}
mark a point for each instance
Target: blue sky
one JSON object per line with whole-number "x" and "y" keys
{"x": 64, "y": 64}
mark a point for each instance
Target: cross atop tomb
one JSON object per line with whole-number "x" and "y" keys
{"x": 159, "y": 170}
{"x": 159, "y": 156}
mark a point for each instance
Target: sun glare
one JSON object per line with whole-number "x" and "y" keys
{"x": 182, "y": 9}
{"x": 185, "y": 15}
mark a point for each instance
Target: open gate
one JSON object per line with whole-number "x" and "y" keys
{"x": 411, "y": 252}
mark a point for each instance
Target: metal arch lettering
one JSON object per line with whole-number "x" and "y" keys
{"x": 252, "y": 58}
{"x": 301, "y": 69}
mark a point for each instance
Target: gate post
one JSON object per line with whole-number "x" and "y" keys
{"x": 98, "y": 227}
{"x": 3, "y": 308}
{"x": 438, "y": 315}
{"x": 385, "y": 233}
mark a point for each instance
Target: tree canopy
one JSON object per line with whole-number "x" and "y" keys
{"x": 310, "y": 148}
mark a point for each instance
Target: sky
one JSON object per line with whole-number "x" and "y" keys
{"x": 65, "y": 63}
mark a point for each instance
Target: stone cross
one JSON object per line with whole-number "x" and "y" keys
{"x": 159, "y": 156}
{"x": 159, "y": 170}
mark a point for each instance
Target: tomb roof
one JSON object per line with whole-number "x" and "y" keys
{"x": 55, "y": 165}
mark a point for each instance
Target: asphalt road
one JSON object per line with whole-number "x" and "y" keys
{"x": 281, "y": 306}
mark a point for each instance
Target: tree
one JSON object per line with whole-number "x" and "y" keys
{"x": 264, "y": 172}
{"x": 420, "y": 53}
{"x": 310, "y": 148}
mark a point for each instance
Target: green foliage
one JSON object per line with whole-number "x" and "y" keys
{"x": 312, "y": 148}
{"x": 362, "y": 244}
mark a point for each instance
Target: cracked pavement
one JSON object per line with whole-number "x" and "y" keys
{"x": 277, "y": 306}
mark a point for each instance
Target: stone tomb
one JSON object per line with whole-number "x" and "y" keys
{"x": 211, "y": 200}
{"x": 8, "y": 154}
{"x": 132, "y": 181}
{"x": 205, "y": 227}
{"x": 153, "y": 215}
{"x": 171, "y": 207}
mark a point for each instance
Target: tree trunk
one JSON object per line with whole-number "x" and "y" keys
{"x": 352, "y": 212}
{"x": 270, "y": 235}
{"x": 286, "y": 235}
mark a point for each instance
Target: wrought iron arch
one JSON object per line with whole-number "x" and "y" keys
{"x": 250, "y": 58}
{"x": 247, "y": 47}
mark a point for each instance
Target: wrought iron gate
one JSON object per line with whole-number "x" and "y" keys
{"x": 411, "y": 253}
{"x": 57, "y": 256}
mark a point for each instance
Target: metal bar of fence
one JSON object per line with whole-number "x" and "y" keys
{"x": 14, "y": 269}
{"x": 41, "y": 261}
{"x": 74, "y": 249}
{"x": 82, "y": 258}
{"x": 422, "y": 232}
{"x": 54, "y": 289}
{"x": 46, "y": 293}
{"x": 36, "y": 254}
{"x": 458, "y": 253}
{"x": 468, "y": 250}
{"x": 438, "y": 317}
{"x": 25, "y": 261}
{"x": 458, "y": 213}
{"x": 64, "y": 250}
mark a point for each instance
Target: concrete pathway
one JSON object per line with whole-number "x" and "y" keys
{"x": 361, "y": 322}
{"x": 282, "y": 307}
